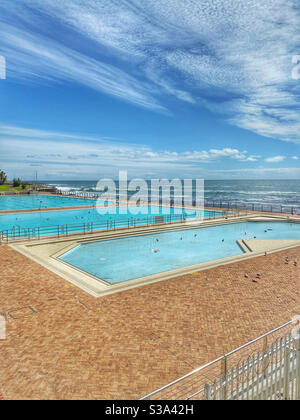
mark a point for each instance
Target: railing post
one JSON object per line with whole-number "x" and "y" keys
{"x": 224, "y": 375}
{"x": 265, "y": 352}
{"x": 286, "y": 371}
{"x": 222, "y": 388}
{"x": 207, "y": 393}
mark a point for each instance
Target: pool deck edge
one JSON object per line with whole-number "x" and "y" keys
{"x": 46, "y": 253}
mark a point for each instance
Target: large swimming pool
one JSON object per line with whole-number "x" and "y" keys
{"x": 119, "y": 260}
{"x": 57, "y": 221}
{"x": 28, "y": 202}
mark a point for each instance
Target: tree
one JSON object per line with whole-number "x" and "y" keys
{"x": 3, "y": 177}
{"x": 16, "y": 182}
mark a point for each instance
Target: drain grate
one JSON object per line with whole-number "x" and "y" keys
{"x": 20, "y": 313}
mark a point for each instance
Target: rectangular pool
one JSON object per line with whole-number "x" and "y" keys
{"x": 47, "y": 223}
{"x": 31, "y": 202}
{"x": 120, "y": 260}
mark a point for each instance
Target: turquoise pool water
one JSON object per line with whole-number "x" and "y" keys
{"x": 119, "y": 260}
{"x": 28, "y": 202}
{"x": 75, "y": 219}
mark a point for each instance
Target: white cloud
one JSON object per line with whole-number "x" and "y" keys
{"x": 69, "y": 151}
{"x": 11, "y": 130}
{"x": 214, "y": 154}
{"x": 38, "y": 58}
{"x": 295, "y": 157}
{"x": 254, "y": 173}
{"x": 233, "y": 56}
{"x": 275, "y": 159}
{"x": 252, "y": 158}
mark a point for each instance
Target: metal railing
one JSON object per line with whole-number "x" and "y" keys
{"x": 14, "y": 192}
{"x": 79, "y": 194}
{"x": 20, "y": 233}
{"x": 272, "y": 374}
{"x": 254, "y": 207}
{"x": 220, "y": 204}
{"x": 194, "y": 384}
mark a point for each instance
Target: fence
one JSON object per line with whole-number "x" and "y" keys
{"x": 13, "y": 192}
{"x": 252, "y": 207}
{"x": 220, "y": 204}
{"x": 19, "y": 233}
{"x": 265, "y": 367}
{"x": 79, "y": 194}
{"x": 273, "y": 374}
{"x": 259, "y": 207}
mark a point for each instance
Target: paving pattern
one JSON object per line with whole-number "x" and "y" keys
{"x": 64, "y": 344}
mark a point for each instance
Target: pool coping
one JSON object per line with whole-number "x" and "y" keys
{"x": 120, "y": 203}
{"x": 98, "y": 287}
{"x": 18, "y": 211}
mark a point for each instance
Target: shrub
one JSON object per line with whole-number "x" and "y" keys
{"x": 3, "y": 177}
{"x": 16, "y": 182}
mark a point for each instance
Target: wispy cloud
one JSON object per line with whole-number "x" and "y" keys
{"x": 275, "y": 159}
{"x": 28, "y": 133}
{"x": 70, "y": 152}
{"x": 215, "y": 154}
{"x": 232, "y": 56}
{"x": 33, "y": 57}
{"x": 257, "y": 173}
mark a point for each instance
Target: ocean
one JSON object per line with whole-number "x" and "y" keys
{"x": 267, "y": 192}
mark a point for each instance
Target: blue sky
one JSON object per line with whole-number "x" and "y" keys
{"x": 168, "y": 88}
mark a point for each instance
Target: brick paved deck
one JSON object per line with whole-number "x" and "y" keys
{"x": 64, "y": 344}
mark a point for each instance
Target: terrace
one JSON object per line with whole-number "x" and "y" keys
{"x": 64, "y": 342}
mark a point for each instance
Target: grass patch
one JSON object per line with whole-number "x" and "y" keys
{"x": 10, "y": 187}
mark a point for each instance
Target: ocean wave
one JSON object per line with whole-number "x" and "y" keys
{"x": 274, "y": 193}
{"x": 252, "y": 192}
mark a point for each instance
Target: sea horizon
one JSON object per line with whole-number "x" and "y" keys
{"x": 270, "y": 192}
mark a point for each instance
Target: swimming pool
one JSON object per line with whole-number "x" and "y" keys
{"x": 46, "y": 223}
{"x": 119, "y": 260}
{"x": 30, "y": 202}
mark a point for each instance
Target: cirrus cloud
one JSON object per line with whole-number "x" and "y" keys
{"x": 231, "y": 56}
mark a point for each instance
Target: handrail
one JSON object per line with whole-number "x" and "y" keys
{"x": 148, "y": 396}
{"x": 253, "y": 206}
{"x": 225, "y": 204}
{"x": 110, "y": 224}
{"x": 21, "y": 233}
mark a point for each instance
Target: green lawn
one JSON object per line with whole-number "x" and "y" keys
{"x": 10, "y": 187}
